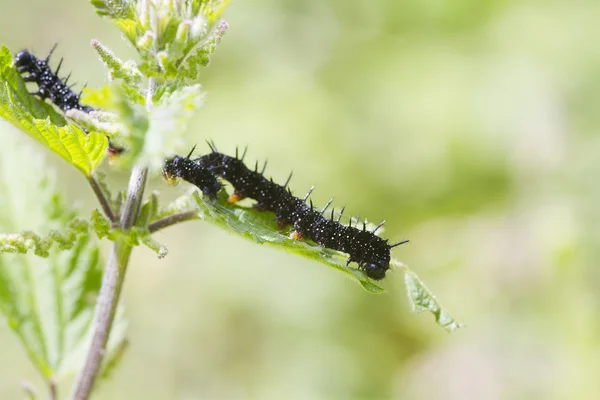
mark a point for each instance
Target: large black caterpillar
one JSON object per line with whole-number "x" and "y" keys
{"x": 51, "y": 86}
{"x": 369, "y": 251}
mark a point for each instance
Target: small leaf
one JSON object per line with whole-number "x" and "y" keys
{"x": 421, "y": 299}
{"x": 100, "y": 224}
{"x": 199, "y": 58}
{"x": 213, "y": 9}
{"x": 118, "y": 69}
{"x": 116, "y": 9}
{"x": 160, "y": 249}
{"x": 131, "y": 29}
{"x": 25, "y": 241}
{"x": 148, "y": 211}
{"x": 40, "y": 121}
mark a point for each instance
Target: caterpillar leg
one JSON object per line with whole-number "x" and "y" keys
{"x": 234, "y": 198}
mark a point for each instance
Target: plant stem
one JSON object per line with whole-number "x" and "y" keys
{"x": 53, "y": 390}
{"x": 114, "y": 277}
{"x": 110, "y": 291}
{"x": 172, "y": 220}
{"x": 110, "y": 214}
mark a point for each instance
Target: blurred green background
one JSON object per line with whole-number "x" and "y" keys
{"x": 471, "y": 127}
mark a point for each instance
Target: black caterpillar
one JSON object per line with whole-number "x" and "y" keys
{"x": 51, "y": 86}
{"x": 371, "y": 252}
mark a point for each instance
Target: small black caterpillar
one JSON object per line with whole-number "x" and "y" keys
{"x": 371, "y": 252}
{"x": 50, "y": 86}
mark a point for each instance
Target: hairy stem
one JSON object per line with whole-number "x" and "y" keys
{"x": 110, "y": 291}
{"x": 108, "y": 211}
{"x": 172, "y": 220}
{"x": 113, "y": 279}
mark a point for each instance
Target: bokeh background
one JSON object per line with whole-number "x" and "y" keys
{"x": 471, "y": 127}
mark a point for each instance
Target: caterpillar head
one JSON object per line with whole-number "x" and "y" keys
{"x": 23, "y": 59}
{"x": 376, "y": 270}
{"x": 172, "y": 169}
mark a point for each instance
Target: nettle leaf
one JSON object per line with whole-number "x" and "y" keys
{"x": 117, "y": 9}
{"x": 137, "y": 236}
{"x": 48, "y": 302}
{"x": 422, "y": 299}
{"x": 123, "y": 15}
{"x": 213, "y": 9}
{"x": 261, "y": 228}
{"x": 40, "y": 121}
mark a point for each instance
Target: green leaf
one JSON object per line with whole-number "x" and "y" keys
{"x": 100, "y": 224}
{"x": 48, "y": 302}
{"x": 259, "y": 227}
{"x": 160, "y": 249}
{"x": 148, "y": 211}
{"x": 40, "y": 121}
{"x": 421, "y": 299}
{"x": 213, "y": 9}
{"x": 116, "y": 9}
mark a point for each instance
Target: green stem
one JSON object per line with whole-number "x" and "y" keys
{"x": 172, "y": 220}
{"x": 102, "y": 199}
